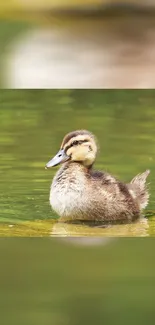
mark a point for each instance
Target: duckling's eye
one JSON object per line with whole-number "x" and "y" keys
{"x": 75, "y": 143}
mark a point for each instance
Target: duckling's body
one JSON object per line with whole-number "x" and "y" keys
{"x": 80, "y": 193}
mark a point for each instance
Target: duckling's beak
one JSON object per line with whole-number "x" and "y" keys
{"x": 58, "y": 159}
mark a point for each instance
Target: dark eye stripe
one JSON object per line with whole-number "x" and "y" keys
{"x": 75, "y": 143}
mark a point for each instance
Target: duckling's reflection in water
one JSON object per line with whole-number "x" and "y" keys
{"x": 88, "y": 241}
{"x": 139, "y": 228}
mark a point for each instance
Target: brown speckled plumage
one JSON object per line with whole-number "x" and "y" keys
{"x": 80, "y": 193}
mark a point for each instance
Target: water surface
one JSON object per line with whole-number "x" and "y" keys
{"x": 51, "y": 281}
{"x": 32, "y": 125}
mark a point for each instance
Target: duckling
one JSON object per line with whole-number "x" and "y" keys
{"x": 78, "y": 192}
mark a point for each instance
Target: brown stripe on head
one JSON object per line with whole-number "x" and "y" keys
{"x": 79, "y": 135}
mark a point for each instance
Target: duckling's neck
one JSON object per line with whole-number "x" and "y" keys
{"x": 75, "y": 167}
{"x": 72, "y": 173}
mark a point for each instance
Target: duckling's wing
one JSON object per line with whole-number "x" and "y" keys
{"x": 138, "y": 189}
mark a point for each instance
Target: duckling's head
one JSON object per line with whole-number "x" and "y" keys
{"x": 77, "y": 146}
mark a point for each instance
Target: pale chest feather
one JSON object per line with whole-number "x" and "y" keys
{"x": 66, "y": 194}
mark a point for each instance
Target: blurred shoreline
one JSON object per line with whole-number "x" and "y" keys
{"x": 96, "y": 11}
{"x": 108, "y": 46}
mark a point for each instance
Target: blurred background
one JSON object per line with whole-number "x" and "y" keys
{"x": 77, "y": 44}
{"x": 32, "y": 125}
{"x": 46, "y": 281}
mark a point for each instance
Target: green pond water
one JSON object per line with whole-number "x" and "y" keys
{"x": 32, "y": 125}
{"x": 51, "y": 281}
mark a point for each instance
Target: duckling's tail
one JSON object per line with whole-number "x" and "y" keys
{"x": 138, "y": 189}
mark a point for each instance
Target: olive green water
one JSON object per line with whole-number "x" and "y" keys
{"x": 46, "y": 281}
{"x": 32, "y": 125}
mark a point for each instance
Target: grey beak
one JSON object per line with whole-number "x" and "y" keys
{"x": 59, "y": 158}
